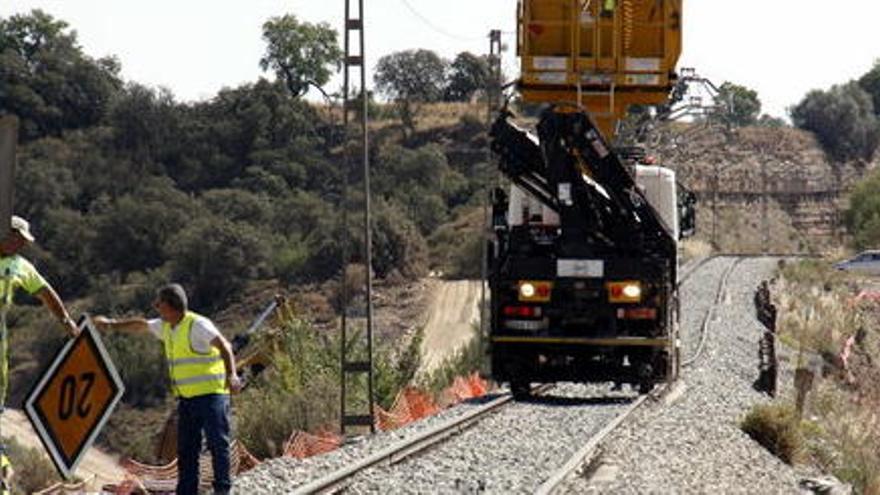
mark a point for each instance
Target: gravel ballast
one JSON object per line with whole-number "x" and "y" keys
{"x": 693, "y": 445}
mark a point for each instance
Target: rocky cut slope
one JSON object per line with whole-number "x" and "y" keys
{"x": 733, "y": 171}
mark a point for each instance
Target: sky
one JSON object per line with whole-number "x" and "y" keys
{"x": 780, "y": 48}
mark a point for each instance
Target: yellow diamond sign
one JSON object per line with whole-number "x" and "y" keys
{"x": 69, "y": 405}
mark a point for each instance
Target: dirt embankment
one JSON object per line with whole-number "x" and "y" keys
{"x": 454, "y": 309}
{"x": 98, "y": 466}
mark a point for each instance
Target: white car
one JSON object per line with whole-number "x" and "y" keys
{"x": 865, "y": 262}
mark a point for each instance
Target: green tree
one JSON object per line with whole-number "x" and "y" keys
{"x": 300, "y": 53}
{"x": 397, "y": 243}
{"x": 411, "y": 78}
{"x": 145, "y": 122}
{"x": 770, "y": 121}
{"x": 738, "y": 105}
{"x": 842, "y": 119}
{"x": 870, "y": 82}
{"x": 46, "y": 79}
{"x": 468, "y": 74}
{"x": 132, "y": 231}
{"x": 863, "y": 215}
{"x": 214, "y": 258}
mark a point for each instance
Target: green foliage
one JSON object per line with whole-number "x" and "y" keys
{"x": 870, "y": 82}
{"x": 214, "y": 257}
{"x": 301, "y": 390}
{"x": 397, "y": 244}
{"x": 776, "y": 428}
{"x": 132, "y": 232}
{"x": 300, "y": 53}
{"x": 48, "y": 82}
{"x": 863, "y": 215}
{"x": 739, "y": 105}
{"x": 771, "y": 122}
{"x": 67, "y": 239}
{"x": 411, "y": 78}
{"x": 394, "y": 370}
{"x": 32, "y": 470}
{"x": 422, "y": 181}
{"x": 144, "y": 122}
{"x": 144, "y": 372}
{"x": 468, "y": 74}
{"x": 456, "y": 247}
{"x": 842, "y": 119}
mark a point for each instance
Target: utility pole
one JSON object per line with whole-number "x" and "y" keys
{"x": 493, "y": 97}
{"x": 362, "y": 363}
{"x": 8, "y": 142}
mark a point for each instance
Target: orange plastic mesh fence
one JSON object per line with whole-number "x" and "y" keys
{"x": 65, "y": 488}
{"x": 157, "y": 479}
{"x": 410, "y": 405}
{"x": 301, "y": 444}
{"x": 464, "y": 388}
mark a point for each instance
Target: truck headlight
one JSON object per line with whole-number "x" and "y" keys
{"x": 629, "y": 291}
{"x": 535, "y": 290}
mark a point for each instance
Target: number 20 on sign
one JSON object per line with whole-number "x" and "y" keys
{"x": 70, "y": 403}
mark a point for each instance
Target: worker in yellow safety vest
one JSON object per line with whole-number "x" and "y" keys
{"x": 5, "y": 473}
{"x": 202, "y": 369}
{"x": 16, "y": 272}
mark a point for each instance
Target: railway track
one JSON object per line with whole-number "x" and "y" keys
{"x": 409, "y": 447}
{"x": 342, "y": 478}
{"x": 419, "y": 454}
{"x": 590, "y": 447}
{"x": 707, "y": 319}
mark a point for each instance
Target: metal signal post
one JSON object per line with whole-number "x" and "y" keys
{"x": 8, "y": 141}
{"x": 493, "y": 100}
{"x": 362, "y": 365}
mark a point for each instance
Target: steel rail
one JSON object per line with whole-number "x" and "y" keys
{"x": 408, "y": 447}
{"x": 690, "y": 270}
{"x": 704, "y": 327}
{"x": 592, "y": 444}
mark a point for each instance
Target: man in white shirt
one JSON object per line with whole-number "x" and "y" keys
{"x": 202, "y": 370}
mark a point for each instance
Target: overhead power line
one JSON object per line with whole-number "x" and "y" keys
{"x": 437, "y": 28}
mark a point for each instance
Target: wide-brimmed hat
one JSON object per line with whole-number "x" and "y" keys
{"x": 22, "y": 226}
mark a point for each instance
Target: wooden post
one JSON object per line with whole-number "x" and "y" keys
{"x": 8, "y": 142}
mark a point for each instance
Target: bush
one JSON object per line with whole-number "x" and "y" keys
{"x": 214, "y": 258}
{"x": 862, "y": 218}
{"x": 842, "y": 119}
{"x": 776, "y": 428}
{"x": 32, "y": 470}
{"x": 301, "y": 391}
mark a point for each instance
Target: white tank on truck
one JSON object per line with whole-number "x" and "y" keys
{"x": 661, "y": 190}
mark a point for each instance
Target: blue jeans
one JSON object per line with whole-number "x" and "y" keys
{"x": 211, "y": 414}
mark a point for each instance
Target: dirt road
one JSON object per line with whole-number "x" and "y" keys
{"x": 96, "y": 463}
{"x": 451, "y": 315}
